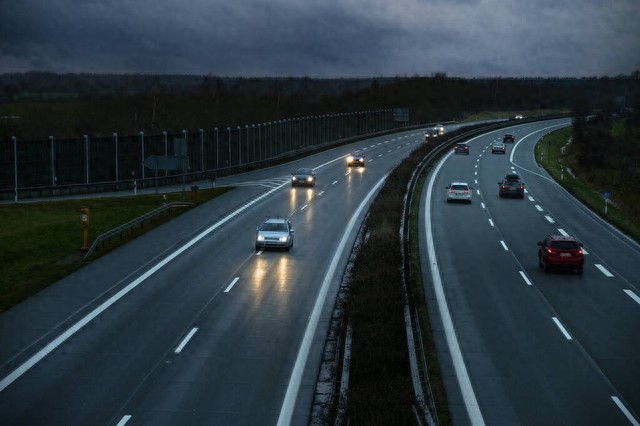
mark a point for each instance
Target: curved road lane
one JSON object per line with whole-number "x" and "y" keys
{"x": 535, "y": 348}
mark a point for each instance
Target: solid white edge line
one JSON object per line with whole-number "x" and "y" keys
{"x": 562, "y": 329}
{"x": 460, "y": 369}
{"x": 230, "y": 286}
{"x": 604, "y": 270}
{"x": 632, "y": 295}
{"x": 289, "y": 402}
{"x": 504, "y": 245}
{"x": 625, "y": 411}
{"x": 123, "y": 421}
{"x": 524, "y": 277}
{"x": 42, "y": 353}
{"x": 185, "y": 340}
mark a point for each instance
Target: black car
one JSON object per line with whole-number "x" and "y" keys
{"x": 509, "y": 138}
{"x": 303, "y": 176}
{"x": 511, "y": 186}
{"x": 461, "y": 148}
{"x": 355, "y": 159}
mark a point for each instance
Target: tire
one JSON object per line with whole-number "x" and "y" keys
{"x": 545, "y": 267}
{"x": 540, "y": 262}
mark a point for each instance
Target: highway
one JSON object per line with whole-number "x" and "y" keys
{"x": 189, "y": 324}
{"x": 519, "y": 346}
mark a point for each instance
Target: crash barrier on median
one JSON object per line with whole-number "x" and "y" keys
{"x": 106, "y": 237}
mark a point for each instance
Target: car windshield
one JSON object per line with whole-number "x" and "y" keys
{"x": 302, "y": 172}
{"x": 564, "y": 245}
{"x": 273, "y": 227}
{"x": 512, "y": 178}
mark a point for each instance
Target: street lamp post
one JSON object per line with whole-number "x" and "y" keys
{"x": 115, "y": 140}
{"x": 53, "y": 163}
{"x": 86, "y": 156}
{"x": 142, "y": 153}
{"x": 15, "y": 167}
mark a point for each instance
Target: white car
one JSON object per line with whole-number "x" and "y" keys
{"x": 276, "y": 233}
{"x": 459, "y": 191}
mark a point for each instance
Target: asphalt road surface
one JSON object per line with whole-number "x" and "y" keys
{"x": 189, "y": 324}
{"x": 520, "y": 346}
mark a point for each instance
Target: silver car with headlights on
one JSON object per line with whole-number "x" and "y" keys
{"x": 275, "y": 232}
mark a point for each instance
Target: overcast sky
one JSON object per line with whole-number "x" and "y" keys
{"x": 323, "y": 38}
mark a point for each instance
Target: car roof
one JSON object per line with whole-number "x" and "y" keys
{"x": 276, "y": 220}
{"x": 512, "y": 176}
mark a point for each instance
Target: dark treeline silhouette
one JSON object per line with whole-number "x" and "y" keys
{"x": 37, "y": 105}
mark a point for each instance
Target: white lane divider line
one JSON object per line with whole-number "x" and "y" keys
{"x": 482, "y": 205}
{"x": 540, "y": 209}
{"x": 230, "y": 286}
{"x": 475, "y": 173}
{"x": 549, "y": 218}
{"x": 604, "y": 270}
{"x": 334, "y": 182}
{"x": 123, "y": 421}
{"x": 186, "y": 340}
{"x": 478, "y": 191}
{"x": 304, "y": 207}
{"x": 504, "y": 245}
{"x": 379, "y": 155}
{"x": 259, "y": 252}
{"x": 320, "y": 193}
{"x": 625, "y": 411}
{"x": 584, "y": 251}
{"x": 295, "y": 380}
{"x": 562, "y": 329}
{"x": 347, "y": 173}
{"x": 563, "y": 232}
{"x": 475, "y": 181}
{"x": 524, "y": 277}
{"x": 491, "y": 223}
{"x": 531, "y": 198}
{"x": 632, "y": 295}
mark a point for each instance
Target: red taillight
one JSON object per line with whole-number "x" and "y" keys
{"x": 466, "y": 191}
{"x": 452, "y": 191}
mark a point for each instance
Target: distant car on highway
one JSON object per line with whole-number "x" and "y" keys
{"x": 275, "y": 233}
{"x": 562, "y": 252}
{"x": 440, "y": 128}
{"x": 509, "y": 138}
{"x": 303, "y": 177}
{"x": 519, "y": 117}
{"x": 498, "y": 148}
{"x": 356, "y": 159}
{"x": 431, "y": 133}
{"x": 459, "y": 191}
{"x": 511, "y": 186}
{"x": 461, "y": 148}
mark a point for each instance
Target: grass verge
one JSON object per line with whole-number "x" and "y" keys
{"x": 588, "y": 189}
{"x": 41, "y": 241}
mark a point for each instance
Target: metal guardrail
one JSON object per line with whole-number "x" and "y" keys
{"x": 129, "y": 225}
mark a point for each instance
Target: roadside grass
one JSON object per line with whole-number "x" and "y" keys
{"x": 589, "y": 187}
{"x": 41, "y": 241}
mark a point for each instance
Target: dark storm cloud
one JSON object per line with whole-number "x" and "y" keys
{"x": 322, "y": 38}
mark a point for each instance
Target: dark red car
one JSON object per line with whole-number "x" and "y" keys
{"x": 461, "y": 148}
{"x": 561, "y": 252}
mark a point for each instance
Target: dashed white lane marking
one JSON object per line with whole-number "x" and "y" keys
{"x": 504, "y": 245}
{"x": 304, "y": 207}
{"x": 347, "y": 173}
{"x": 476, "y": 181}
{"x": 482, "y": 205}
{"x": 524, "y": 277}
{"x": 604, "y": 270}
{"x": 584, "y": 251}
{"x": 478, "y": 191}
{"x": 379, "y": 155}
{"x": 491, "y": 223}
{"x": 230, "y": 286}
{"x": 540, "y": 209}
{"x": 259, "y": 252}
{"x": 563, "y": 232}
{"x": 632, "y": 295}
{"x": 625, "y": 411}
{"x": 475, "y": 173}
{"x": 186, "y": 340}
{"x": 334, "y": 182}
{"x": 531, "y": 198}
{"x": 123, "y": 421}
{"x": 562, "y": 329}
{"x": 320, "y": 193}
{"x": 549, "y": 219}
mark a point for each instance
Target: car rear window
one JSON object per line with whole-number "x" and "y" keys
{"x": 275, "y": 227}
{"x": 459, "y": 187}
{"x": 567, "y": 245}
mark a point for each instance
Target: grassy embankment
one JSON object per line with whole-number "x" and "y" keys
{"x": 589, "y": 187}
{"x": 41, "y": 241}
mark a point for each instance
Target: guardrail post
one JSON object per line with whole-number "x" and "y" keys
{"x": 86, "y": 156}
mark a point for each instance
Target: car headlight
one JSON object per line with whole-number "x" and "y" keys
{"x": 294, "y": 178}
{"x": 282, "y": 239}
{"x": 350, "y": 159}
{"x": 260, "y": 238}
{"x": 310, "y": 179}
